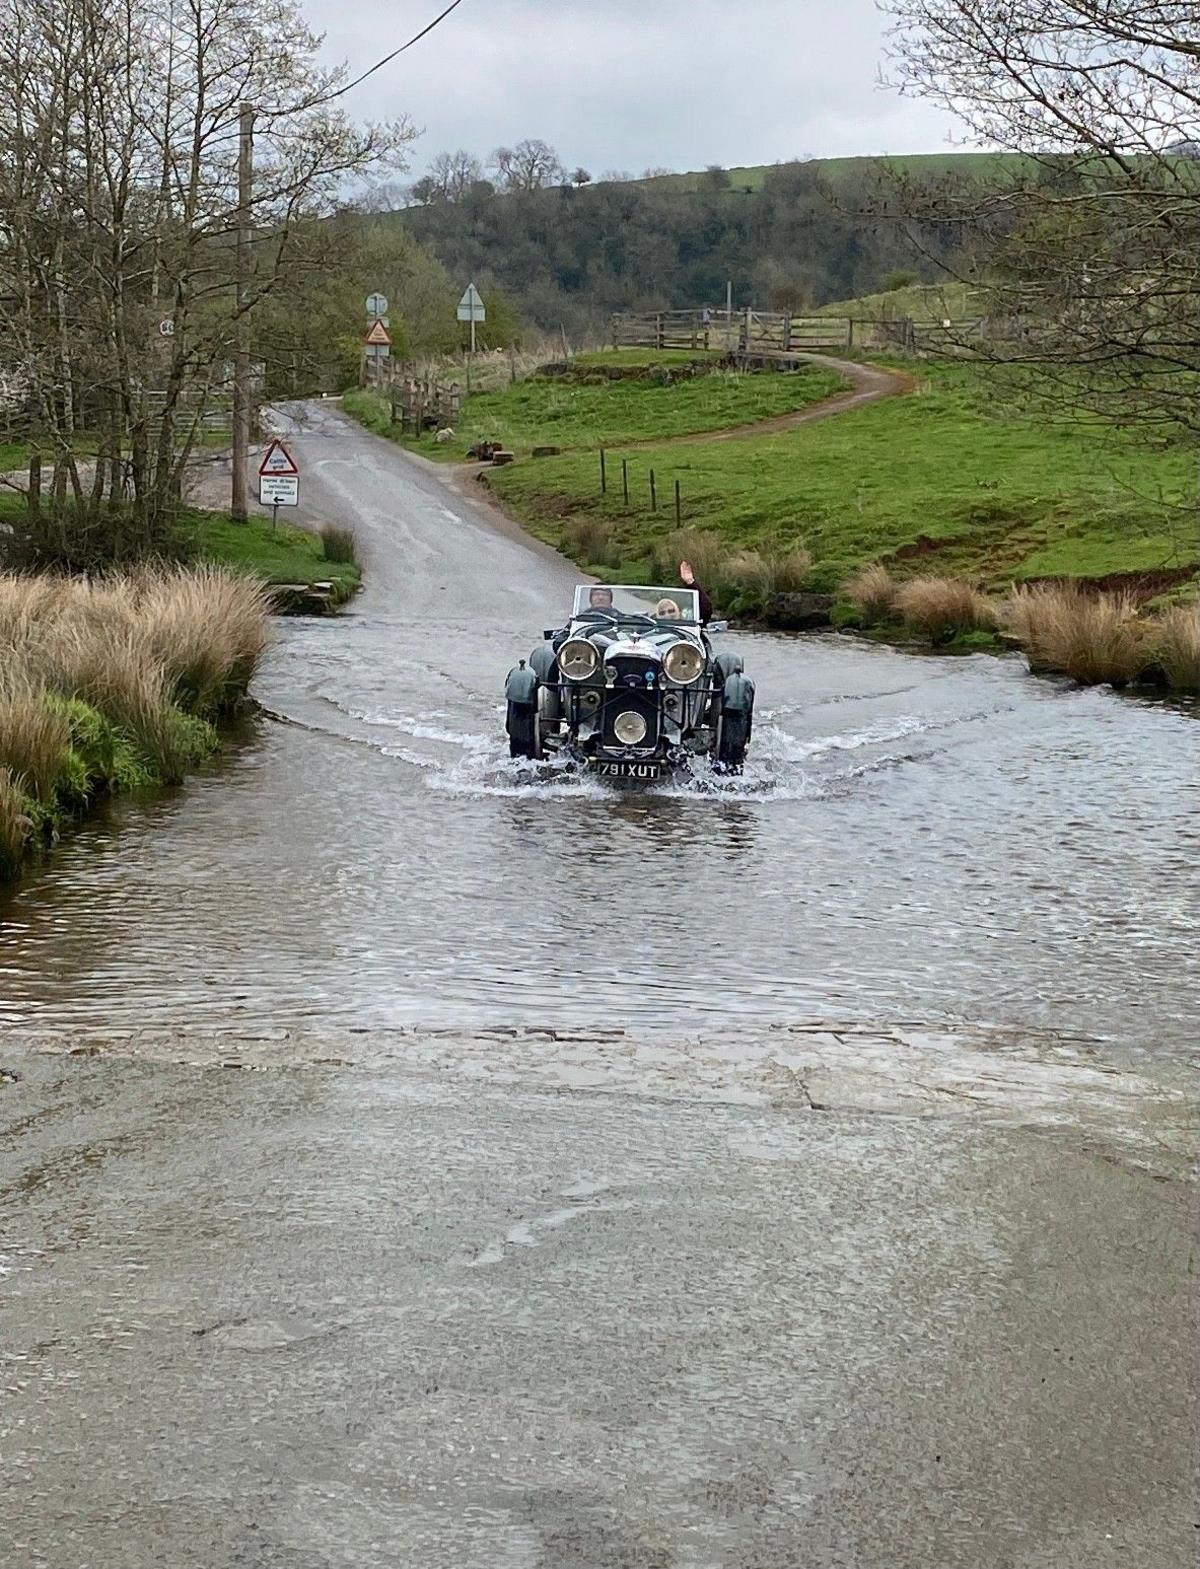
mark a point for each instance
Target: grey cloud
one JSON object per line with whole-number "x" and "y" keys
{"x": 636, "y": 83}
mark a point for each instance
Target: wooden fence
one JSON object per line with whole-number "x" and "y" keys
{"x": 753, "y": 333}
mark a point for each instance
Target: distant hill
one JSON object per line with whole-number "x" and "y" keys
{"x": 792, "y": 236}
{"x": 748, "y": 179}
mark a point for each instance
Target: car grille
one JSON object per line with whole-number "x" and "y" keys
{"x": 624, "y": 702}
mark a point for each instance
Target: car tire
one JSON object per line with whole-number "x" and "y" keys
{"x": 522, "y": 727}
{"x": 732, "y": 741}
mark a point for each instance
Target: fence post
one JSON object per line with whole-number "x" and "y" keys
{"x": 678, "y": 506}
{"x": 615, "y": 334}
{"x": 603, "y": 474}
{"x": 658, "y": 331}
{"x": 849, "y": 332}
{"x": 653, "y": 493}
{"x": 625, "y": 478}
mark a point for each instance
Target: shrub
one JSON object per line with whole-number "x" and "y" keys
{"x": 339, "y": 545}
{"x": 33, "y": 737}
{"x": 1091, "y": 637}
{"x": 1176, "y": 644}
{"x": 939, "y": 607}
{"x": 873, "y": 591}
{"x": 590, "y": 540}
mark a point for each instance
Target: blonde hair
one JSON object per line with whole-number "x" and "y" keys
{"x": 667, "y": 610}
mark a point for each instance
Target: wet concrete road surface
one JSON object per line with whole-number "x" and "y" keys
{"x": 357, "y": 1318}
{"x": 459, "y": 1168}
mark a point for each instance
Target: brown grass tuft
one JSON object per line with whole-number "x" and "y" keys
{"x": 1092, "y": 637}
{"x": 15, "y": 823}
{"x": 590, "y": 540}
{"x": 938, "y": 607}
{"x": 873, "y": 590}
{"x": 33, "y": 737}
{"x": 1176, "y": 644}
{"x": 207, "y": 628}
{"x": 339, "y": 544}
{"x": 791, "y": 568}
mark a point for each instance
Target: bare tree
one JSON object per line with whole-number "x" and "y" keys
{"x": 529, "y": 166}
{"x": 1085, "y": 241}
{"x": 580, "y": 177}
{"x": 453, "y": 174}
{"x": 118, "y": 180}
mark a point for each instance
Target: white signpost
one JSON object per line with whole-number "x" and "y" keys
{"x": 278, "y": 480}
{"x": 470, "y": 308}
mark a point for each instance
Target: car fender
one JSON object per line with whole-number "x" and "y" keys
{"x": 521, "y": 686}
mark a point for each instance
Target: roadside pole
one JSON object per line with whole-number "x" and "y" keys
{"x": 470, "y": 308}
{"x": 239, "y": 507}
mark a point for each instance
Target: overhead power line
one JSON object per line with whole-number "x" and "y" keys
{"x": 388, "y": 58}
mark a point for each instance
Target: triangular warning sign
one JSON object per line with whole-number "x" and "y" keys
{"x": 277, "y": 460}
{"x": 378, "y": 336}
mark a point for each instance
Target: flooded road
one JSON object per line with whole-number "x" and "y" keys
{"x": 310, "y": 1258}
{"x": 915, "y": 838}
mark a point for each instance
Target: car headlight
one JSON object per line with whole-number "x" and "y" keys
{"x": 578, "y": 659}
{"x": 629, "y": 728}
{"x": 684, "y": 663}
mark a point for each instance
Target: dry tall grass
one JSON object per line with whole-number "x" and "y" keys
{"x": 1176, "y": 644}
{"x": 590, "y": 540}
{"x": 1092, "y": 637}
{"x": 15, "y": 822}
{"x": 873, "y": 590}
{"x": 938, "y": 607}
{"x": 153, "y": 653}
{"x": 706, "y": 553}
{"x": 33, "y": 737}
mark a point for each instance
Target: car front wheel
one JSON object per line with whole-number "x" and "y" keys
{"x": 522, "y": 727}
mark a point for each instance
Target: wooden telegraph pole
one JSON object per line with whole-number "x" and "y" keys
{"x": 239, "y": 501}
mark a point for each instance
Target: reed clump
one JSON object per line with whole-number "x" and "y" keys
{"x": 113, "y": 683}
{"x": 1175, "y": 641}
{"x": 1094, "y": 638}
{"x": 872, "y": 590}
{"x": 939, "y": 607}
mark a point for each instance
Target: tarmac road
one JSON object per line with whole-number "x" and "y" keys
{"x": 283, "y": 1286}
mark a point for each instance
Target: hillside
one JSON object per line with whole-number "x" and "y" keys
{"x": 745, "y": 180}
{"x": 790, "y": 237}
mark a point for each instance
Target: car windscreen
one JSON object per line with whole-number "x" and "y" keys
{"x": 665, "y": 604}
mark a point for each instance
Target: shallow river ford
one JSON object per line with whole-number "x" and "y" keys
{"x": 915, "y": 838}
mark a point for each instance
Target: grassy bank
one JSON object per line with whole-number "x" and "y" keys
{"x": 933, "y": 482}
{"x": 1062, "y": 628}
{"x": 579, "y": 415}
{"x": 114, "y": 686}
{"x": 280, "y": 555}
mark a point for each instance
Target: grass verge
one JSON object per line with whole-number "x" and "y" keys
{"x": 114, "y": 685}
{"x": 932, "y": 484}
{"x": 580, "y": 416}
{"x": 282, "y": 555}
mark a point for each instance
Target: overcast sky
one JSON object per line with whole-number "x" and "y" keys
{"x": 634, "y": 84}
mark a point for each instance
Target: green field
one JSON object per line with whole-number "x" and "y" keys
{"x": 584, "y": 415}
{"x": 278, "y": 555}
{"x": 936, "y": 477}
{"x": 749, "y": 178}
{"x": 922, "y": 301}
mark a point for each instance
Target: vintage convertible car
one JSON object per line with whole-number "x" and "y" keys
{"x": 631, "y": 688}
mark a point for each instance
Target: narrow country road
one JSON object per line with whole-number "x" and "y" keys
{"x": 409, "y": 1159}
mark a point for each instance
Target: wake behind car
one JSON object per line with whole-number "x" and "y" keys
{"x": 631, "y": 688}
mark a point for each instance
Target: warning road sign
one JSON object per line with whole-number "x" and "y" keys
{"x": 378, "y": 335}
{"x": 278, "y": 460}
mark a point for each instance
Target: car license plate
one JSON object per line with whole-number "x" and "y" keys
{"x": 621, "y": 769}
